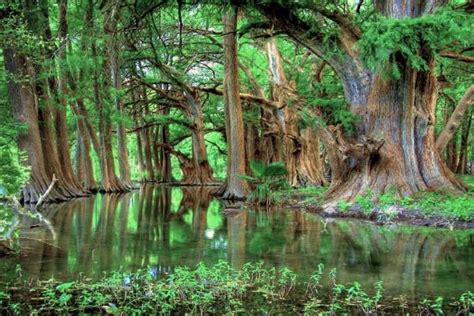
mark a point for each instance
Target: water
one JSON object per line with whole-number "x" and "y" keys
{"x": 164, "y": 227}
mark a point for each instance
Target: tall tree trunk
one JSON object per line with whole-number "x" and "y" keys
{"x": 234, "y": 187}
{"x": 152, "y": 172}
{"x": 156, "y": 162}
{"x": 37, "y": 18}
{"x": 300, "y": 154}
{"x": 62, "y": 134}
{"x": 113, "y": 45}
{"x": 141, "y": 162}
{"x": 78, "y": 157}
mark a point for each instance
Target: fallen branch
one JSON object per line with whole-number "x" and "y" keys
{"x": 43, "y": 196}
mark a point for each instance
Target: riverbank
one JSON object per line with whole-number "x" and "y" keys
{"x": 436, "y": 209}
{"x": 216, "y": 289}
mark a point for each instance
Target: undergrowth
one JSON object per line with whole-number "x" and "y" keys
{"x": 218, "y": 289}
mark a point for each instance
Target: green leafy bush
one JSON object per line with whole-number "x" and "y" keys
{"x": 267, "y": 180}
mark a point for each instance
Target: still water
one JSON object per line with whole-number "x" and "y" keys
{"x": 166, "y": 227}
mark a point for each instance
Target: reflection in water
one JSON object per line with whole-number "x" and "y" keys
{"x": 166, "y": 227}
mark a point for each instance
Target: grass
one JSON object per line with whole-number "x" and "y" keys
{"x": 429, "y": 204}
{"x": 218, "y": 289}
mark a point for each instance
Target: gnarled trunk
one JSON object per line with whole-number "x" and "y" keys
{"x": 396, "y": 146}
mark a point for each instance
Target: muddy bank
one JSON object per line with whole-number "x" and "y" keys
{"x": 400, "y": 215}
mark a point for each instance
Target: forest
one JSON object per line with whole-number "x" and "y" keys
{"x": 236, "y": 157}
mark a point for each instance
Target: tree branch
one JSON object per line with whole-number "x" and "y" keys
{"x": 460, "y": 57}
{"x": 243, "y": 96}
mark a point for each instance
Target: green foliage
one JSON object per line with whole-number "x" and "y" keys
{"x": 216, "y": 289}
{"x": 267, "y": 179}
{"x": 460, "y": 207}
{"x": 364, "y": 201}
{"x": 343, "y": 205}
{"x": 383, "y": 37}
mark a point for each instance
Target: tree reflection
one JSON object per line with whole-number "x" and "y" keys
{"x": 165, "y": 227}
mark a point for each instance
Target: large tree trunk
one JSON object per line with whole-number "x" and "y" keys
{"x": 396, "y": 146}
{"x": 24, "y": 108}
{"x": 300, "y": 154}
{"x": 234, "y": 187}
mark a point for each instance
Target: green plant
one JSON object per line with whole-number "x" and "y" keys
{"x": 466, "y": 302}
{"x": 365, "y": 202}
{"x": 343, "y": 205}
{"x": 429, "y": 306}
{"x": 267, "y": 180}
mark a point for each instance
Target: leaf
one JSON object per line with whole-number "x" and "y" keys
{"x": 248, "y": 178}
{"x": 64, "y": 286}
{"x": 275, "y": 169}
{"x": 257, "y": 167}
{"x": 64, "y": 298}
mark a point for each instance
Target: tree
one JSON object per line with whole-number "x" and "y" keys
{"x": 394, "y": 145}
{"x": 234, "y": 187}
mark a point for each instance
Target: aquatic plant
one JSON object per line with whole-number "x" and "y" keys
{"x": 213, "y": 289}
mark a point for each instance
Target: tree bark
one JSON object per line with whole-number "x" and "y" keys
{"x": 62, "y": 134}
{"x": 201, "y": 172}
{"x": 466, "y": 127}
{"x": 113, "y": 50}
{"x": 455, "y": 119}
{"x": 234, "y": 187}
{"x": 299, "y": 153}
{"x": 165, "y": 156}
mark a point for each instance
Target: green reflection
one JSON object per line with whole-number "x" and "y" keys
{"x": 166, "y": 227}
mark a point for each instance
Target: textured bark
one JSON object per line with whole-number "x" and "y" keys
{"x": 79, "y": 170}
{"x": 455, "y": 119}
{"x": 234, "y": 187}
{"x": 155, "y": 138}
{"x": 45, "y": 89}
{"x": 110, "y": 181}
{"x": 152, "y": 171}
{"x": 252, "y": 137}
